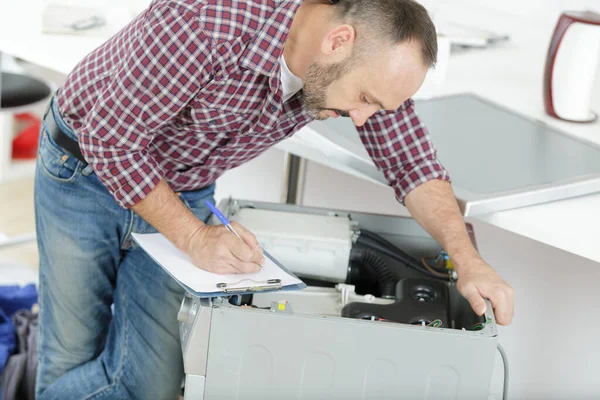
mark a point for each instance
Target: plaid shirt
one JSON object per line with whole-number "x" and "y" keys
{"x": 190, "y": 89}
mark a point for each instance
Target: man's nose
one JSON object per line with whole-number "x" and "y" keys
{"x": 361, "y": 115}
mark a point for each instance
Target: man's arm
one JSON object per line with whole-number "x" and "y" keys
{"x": 166, "y": 65}
{"x": 398, "y": 143}
{"x": 434, "y": 206}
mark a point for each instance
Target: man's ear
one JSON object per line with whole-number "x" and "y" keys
{"x": 339, "y": 40}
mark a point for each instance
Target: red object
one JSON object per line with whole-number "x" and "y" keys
{"x": 25, "y": 144}
{"x": 564, "y": 22}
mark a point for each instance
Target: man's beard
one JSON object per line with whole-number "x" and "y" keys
{"x": 316, "y": 82}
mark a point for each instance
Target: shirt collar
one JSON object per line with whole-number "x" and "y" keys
{"x": 262, "y": 53}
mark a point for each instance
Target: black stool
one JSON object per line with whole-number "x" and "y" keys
{"x": 19, "y": 94}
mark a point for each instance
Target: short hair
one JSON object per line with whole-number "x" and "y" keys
{"x": 393, "y": 20}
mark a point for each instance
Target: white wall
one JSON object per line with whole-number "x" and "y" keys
{"x": 552, "y": 344}
{"x": 325, "y": 187}
{"x": 260, "y": 179}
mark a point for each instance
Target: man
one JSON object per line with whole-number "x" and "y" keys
{"x": 145, "y": 124}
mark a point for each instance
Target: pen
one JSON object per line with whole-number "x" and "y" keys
{"x": 224, "y": 220}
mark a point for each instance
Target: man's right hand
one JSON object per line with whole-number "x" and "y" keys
{"x": 215, "y": 249}
{"x": 212, "y": 248}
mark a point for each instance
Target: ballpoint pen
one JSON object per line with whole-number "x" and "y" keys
{"x": 224, "y": 221}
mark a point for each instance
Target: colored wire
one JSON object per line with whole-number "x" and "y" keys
{"x": 477, "y": 327}
{"x": 433, "y": 271}
{"x": 436, "y": 323}
{"x": 435, "y": 262}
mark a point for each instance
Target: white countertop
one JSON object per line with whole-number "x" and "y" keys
{"x": 510, "y": 75}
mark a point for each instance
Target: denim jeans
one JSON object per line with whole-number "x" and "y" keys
{"x": 108, "y": 312}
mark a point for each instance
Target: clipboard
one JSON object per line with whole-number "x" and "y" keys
{"x": 253, "y": 286}
{"x": 205, "y": 284}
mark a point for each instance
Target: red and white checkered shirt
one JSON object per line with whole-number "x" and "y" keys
{"x": 190, "y": 89}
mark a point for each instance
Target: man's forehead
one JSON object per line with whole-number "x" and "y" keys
{"x": 391, "y": 81}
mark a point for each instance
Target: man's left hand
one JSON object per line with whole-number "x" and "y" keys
{"x": 434, "y": 206}
{"x": 478, "y": 281}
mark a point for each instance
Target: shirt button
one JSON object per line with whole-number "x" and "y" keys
{"x": 212, "y": 123}
{"x": 273, "y": 108}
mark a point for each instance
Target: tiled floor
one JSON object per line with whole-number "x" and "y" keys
{"x": 17, "y": 218}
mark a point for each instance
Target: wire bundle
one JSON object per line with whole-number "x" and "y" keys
{"x": 382, "y": 245}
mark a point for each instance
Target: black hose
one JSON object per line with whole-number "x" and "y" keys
{"x": 394, "y": 252}
{"x": 401, "y": 254}
{"x": 387, "y": 281}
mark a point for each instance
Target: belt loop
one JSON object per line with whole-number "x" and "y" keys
{"x": 48, "y": 106}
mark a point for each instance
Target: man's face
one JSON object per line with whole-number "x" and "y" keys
{"x": 358, "y": 90}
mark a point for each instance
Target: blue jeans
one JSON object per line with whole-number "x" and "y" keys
{"x": 108, "y": 312}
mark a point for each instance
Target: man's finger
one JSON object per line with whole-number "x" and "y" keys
{"x": 242, "y": 252}
{"x": 503, "y": 305}
{"x": 257, "y": 255}
{"x": 239, "y": 249}
{"x": 476, "y": 301}
{"x": 224, "y": 268}
{"x": 246, "y": 267}
{"x": 245, "y": 234}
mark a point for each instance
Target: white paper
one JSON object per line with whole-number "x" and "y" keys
{"x": 180, "y": 267}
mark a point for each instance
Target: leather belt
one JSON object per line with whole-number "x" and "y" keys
{"x": 61, "y": 138}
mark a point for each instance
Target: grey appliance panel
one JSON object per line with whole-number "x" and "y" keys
{"x": 498, "y": 159}
{"x": 404, "y": 232}
{"x": 259, "y": 354}
{"x": 245, "y": 353}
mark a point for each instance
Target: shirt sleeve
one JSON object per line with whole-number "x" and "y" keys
{"x": 399, "y": 144}
{"x": 166, "y": 63}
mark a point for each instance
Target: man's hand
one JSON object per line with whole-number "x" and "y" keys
{"x": 216, "y": 249}
{"x": 434, "y": 206}
{"x": 478, "y": 281}
{"x": 212, "y": 248}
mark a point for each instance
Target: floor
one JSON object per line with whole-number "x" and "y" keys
{"x": 17, "y": 263}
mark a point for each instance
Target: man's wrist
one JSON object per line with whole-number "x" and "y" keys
{"x": 187, "y": 237}
{"x": 463, "y": 261}
{"x": 164, "y": 210}
{"x": 461, "y": 250}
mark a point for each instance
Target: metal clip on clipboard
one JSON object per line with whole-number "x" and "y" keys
{"x": 271, "y": 284}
